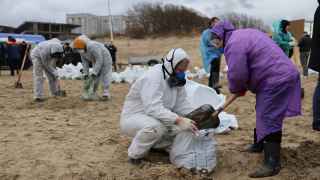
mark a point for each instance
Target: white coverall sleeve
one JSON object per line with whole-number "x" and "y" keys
{"x": 183, "y": 105}
{"x": 151, "y": 94}
{"x": 48, "y": 64}
{"x": 98, "y": 56}
{"x": 85, "y": 65}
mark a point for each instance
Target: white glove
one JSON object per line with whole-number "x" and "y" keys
{"x": 186, "y": 124}
{"x": 292, "y": 43}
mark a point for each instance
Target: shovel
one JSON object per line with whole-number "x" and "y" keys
{"x": 18, "y": 84}
{"x": 206, "y": 117}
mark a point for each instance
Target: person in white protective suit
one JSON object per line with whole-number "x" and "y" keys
{"x": 154, "y": 110}
{"x": 44, "y": 57}
{"x": 95, "y": 53}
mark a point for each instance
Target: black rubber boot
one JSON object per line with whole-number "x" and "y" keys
{"x": 271, "y": 165}
{"x": 135, "y": 161}
{"x": 39, "y": 100}
{"x": 256, "y": 147}
{"x": 302, "y": 93}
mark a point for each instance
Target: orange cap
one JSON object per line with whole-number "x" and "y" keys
{"x": 79, "y": 44}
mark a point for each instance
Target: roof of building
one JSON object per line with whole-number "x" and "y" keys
{"x": 6, "y": 28}
{"x": 53, "y": 23}
{"x": 80, "y": 14}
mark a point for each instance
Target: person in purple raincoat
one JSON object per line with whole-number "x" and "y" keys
{"x": 257, "y": 64}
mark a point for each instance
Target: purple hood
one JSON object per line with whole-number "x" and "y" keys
{"x": 223, "y": 30}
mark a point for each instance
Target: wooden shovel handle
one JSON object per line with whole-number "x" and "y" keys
{"x": 23, "y": 62}
{"x": 226, "y": 104}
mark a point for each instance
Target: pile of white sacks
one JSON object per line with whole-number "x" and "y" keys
{"x": 129, "y": 75}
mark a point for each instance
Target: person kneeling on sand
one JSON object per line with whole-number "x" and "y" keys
{"x": 44, "y": 57}
{"x": 257, "y": 64}
{"x": 154, "y": 110}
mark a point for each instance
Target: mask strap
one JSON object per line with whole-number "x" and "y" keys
{"x": 164, "y": 69}
{"x": 171, "y": 61}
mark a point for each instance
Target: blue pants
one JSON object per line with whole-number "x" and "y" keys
{"x": 316, "y": 107}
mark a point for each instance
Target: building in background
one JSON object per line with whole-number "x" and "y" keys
{"x": 298, "y": 27}
{"x": 48, "y": 30}
{"x": 308, "y": 27}
{"x": 6, "y": 29}
{"x": 96, "y": 25}
{"x": 88, "y": 23}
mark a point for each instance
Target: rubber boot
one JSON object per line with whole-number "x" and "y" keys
{"x": 256, "y": 147}
{"x": 135, "y": 161}
{"x": 39, "y": 100}
{"x": 271, "y": 165}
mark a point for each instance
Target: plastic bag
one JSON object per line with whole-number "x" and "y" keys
{"x": 194, "y": 152}
{"x": 90, "y": 89}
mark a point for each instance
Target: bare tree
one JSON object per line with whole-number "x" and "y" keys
{"x": 245, "y": 21}
{"x": 157, "y": 19}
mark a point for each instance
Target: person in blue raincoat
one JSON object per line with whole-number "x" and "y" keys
{"x": 283, "y": 37}
{"x": 210, "y": 56}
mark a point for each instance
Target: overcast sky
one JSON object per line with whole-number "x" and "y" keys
{"x": 14, "y": 12}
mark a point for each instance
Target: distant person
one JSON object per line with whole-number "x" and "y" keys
{"x": 68, "y": 56}
{"x": 257, "y": 64}
{"x": 2, "y": 55}
{"x": 44, "y": 57}
{"x": 283, "y": 37}
{"x": 211, "y": 56}
{"x": 315, "y": 65}
{"x": 113, "y": 52}
{"x": 66, "y": 47}
{"x": 13, "y": 55}
{"x": 305, "y": 44}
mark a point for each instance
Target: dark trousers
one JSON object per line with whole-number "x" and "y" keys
{"x": 214, "y": 74}
{"x": 13, "y": 65}
{"x": 274, "y": 137}
{"x": 316, "y": 107}
{"x": 304, "y": 56}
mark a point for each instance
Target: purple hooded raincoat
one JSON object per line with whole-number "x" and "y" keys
{"x": 257, "y": 64}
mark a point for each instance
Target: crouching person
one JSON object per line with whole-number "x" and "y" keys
{"x": 44, "y": 57}
{"x": 154, "y": 109}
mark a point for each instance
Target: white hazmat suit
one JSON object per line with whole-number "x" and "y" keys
{"x": 44, "y": 62}
{"x": 152, "y": 107}
{"x": 100, "y": 57}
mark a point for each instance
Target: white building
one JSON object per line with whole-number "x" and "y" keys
{"x": 96, "y": 25}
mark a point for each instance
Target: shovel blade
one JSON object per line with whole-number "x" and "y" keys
{"x": 18, "y": 85}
